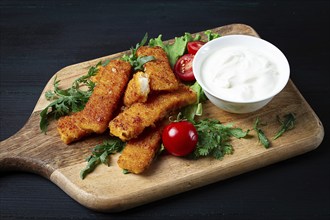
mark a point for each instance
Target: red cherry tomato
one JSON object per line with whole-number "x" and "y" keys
{"x": 194, "y": 46}
{"x": 183, "y": 68}
{"x": 180, "y": 138}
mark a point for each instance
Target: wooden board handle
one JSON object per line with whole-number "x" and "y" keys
{"x": 33, "y": 151}
{"x": 23, "y": 150}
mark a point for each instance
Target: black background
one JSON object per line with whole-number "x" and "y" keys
{"x": 38, "y": 38}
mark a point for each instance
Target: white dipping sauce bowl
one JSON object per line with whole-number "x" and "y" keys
{"x": 253, "y": 43}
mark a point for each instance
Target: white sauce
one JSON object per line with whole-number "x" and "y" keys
{"x": 239, "y": 74}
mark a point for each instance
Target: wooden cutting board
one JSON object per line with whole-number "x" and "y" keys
{"x": 108, "y": 189}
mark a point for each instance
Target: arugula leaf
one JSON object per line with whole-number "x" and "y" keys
{"x": 140, "y": 61}
{"x": 135, "y": 61}
{"x": 214, "y": 138}
{"x": 287, "y": 124}
{"x": 175, "y": 50}
{"x": 100, "y": 154}
{"x": 66, "y": 101}
{"x": 261, "y": 135}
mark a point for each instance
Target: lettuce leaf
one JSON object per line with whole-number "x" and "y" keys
{"x": 190, "y": 111}
{"x": 175, "y": 50}
{"x": 211, "y": 35}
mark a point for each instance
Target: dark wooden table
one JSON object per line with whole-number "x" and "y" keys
{"x": 40, "y": 37}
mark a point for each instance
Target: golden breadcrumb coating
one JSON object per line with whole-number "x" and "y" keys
{"x": 134, "y": 119}
{"x": 159, "y": 70}
{"x": 161, "y": 76}
{"x": 68, "y": 130}
{"x": 101, "y": 105}
{"x": 156, "y": 52}
{"x": 137, "y": 89}
{"x": 98, "y": 75}
{"x": 105, "y": 97}
{"x": 140, "y": 152}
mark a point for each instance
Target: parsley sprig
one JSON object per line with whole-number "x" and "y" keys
{"x": 214, "y": 138}
{"x": 100, "y": 154}
{"x": 66, "y": 101}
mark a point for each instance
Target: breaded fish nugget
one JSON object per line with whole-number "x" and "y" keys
{"x": 133, "y": 120}
{"x": 68, "y": 130}
{"x": 105, "y": 97}
{"x": 160, "y": 72}
{"x": 137, "y": 89}
{"x": 140, "y": 152}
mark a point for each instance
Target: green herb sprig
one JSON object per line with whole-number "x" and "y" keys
{"x": 100, "y": 154}
{"x": 261, "y": 135}
{"x": 66, "y": 101}
{"x": 214, "y": 138}
{"x": 287, "y": 123}
{"x": 135, "y": 61}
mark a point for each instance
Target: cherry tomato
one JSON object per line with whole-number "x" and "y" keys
{"x": 180, "y": 138}
{"x": 194, "y": 46}
{"x": 183, "y": 68}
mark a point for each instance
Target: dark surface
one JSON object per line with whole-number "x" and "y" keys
{"x": 38, "y": 38}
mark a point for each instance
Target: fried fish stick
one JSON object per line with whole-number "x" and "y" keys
{"x": 105, "y": 97}
{"x": 133, "y": 120}
{"x": 99, "y": 74}
{"x": 140, "y": 152}
{"x": 68, "y": 129}
{"x": 160, "y": 72}
{"x": 137, "y": 89}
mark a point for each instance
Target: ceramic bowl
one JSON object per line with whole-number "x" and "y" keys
{"x": 243, "y": 41}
